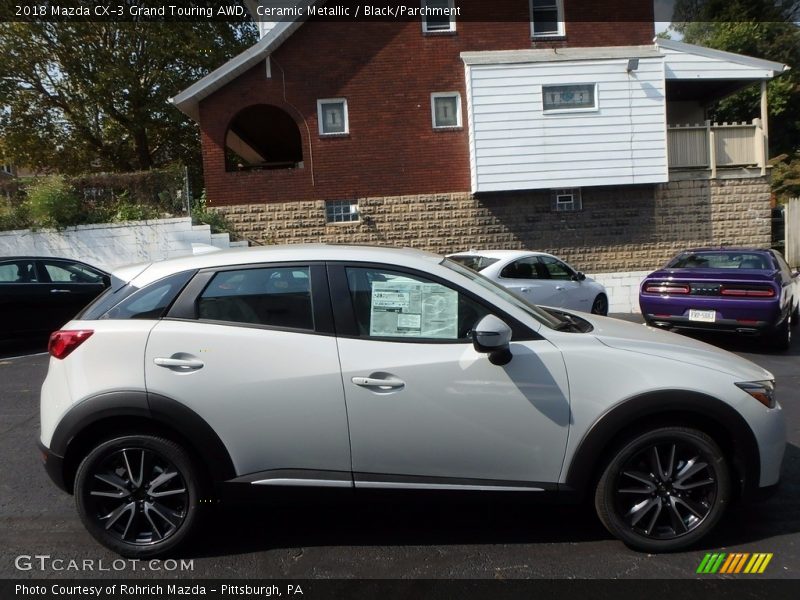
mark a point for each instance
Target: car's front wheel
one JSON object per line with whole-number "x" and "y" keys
{"x": 664, "y": 490}
{"x": 137, "y": 495}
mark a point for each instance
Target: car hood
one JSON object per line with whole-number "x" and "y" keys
{"x": 624, "y": 335}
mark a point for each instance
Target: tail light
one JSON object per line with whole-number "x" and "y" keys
{"x": 666, "y": 288}
{"x": 62, "y": 343}
{"x": 748, "y": 292}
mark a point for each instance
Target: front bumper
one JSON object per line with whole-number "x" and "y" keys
{"x": 54, "y": 466}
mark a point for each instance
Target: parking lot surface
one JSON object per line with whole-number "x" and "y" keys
{"x": 407, "y": 536}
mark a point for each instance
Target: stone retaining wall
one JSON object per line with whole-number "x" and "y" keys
{"x": 620, "y": 229}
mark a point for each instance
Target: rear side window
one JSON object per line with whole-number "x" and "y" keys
{"x": 275, "y": 296}
{"x": 474, "y": 261}
{"x": 22, "y": 271}
{"x": 149, "y": 302}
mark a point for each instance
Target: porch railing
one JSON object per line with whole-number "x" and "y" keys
{"x": 712, "y": 145}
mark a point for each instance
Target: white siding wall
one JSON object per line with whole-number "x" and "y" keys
{"x": 684, "y": 65}
{"x": 515, "y": 145}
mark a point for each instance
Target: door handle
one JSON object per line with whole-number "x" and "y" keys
{"x": 559, "y": 287}
{"x": 383, "y": 384}
{"x": 179, "y": 364}
{"x": 59, "y": 291}
{"x": 525, "y": 290}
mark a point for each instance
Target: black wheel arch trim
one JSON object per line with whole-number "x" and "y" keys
{"x": 595, "y": 443}
{"x": 161, "y": 410}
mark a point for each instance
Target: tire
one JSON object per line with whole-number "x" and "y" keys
{"x": 600, "y": 305}
{"x": 678, "y": 504}
{"x": 795, "y": 316}
{"x": 121, "y": 502}
{"x": 781, "y": 338}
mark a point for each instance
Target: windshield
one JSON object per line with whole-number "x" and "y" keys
{"x": 552, "y": 321}
{"x": 474, "y": 261}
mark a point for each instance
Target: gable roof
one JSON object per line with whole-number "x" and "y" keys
{"x": 188, "y": 101}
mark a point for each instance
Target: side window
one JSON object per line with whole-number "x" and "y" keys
{"x": 151, "y": 301}
{"x": 556, "y": 269}
{"x": 21, "y": 271}
{"x": 71, "y": 273}
{"x": 525, "y": 268}
{"x": 275, "y": 296}
{"x": 389, "y": 304}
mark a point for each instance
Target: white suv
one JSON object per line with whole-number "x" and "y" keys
{"x": 353, "y": 367}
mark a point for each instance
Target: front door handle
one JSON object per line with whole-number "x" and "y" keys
{"x": 179, "y": 364}
{"x": 559, "y": 287}
{"x": 382, "y": 384}
{"x": 525, "y": 290}
{"x": 59, "y": 291}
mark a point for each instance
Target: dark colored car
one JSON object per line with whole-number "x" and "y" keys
{"x": 738, "y": 290}
{"x": 39, "y": 294}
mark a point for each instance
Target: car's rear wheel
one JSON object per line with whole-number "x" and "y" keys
{"x": 137, "y": 495}
{"x": 796, "y": 316}
{"x": 781, "y": 338}
{"x": 600, "y": 305}
{"x": 664, "y": 489}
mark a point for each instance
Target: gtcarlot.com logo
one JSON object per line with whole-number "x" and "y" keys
{"x": 743, "y": 562}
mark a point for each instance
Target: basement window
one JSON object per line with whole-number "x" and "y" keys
{"x": 438, "y": 16}
{"x": 566, "y": 200}
{"x": 332, "y": 116}
{"x": 341, "y": 211}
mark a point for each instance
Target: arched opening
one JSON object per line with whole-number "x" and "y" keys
{"x": 263, "y": 137}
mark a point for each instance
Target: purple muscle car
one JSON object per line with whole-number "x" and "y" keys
{"x": 739, "y": 290}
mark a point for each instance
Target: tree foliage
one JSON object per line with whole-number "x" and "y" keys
{"x": 761, "y": 28}
{"x": 80, "y": 96}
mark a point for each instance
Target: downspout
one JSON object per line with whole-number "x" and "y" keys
{"x": 305, "y": 123}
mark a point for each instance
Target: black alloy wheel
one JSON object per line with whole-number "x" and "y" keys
{"x": 664, "y": 490}
{"x": 137, "y": 495}
{"x": 600, "y": 305}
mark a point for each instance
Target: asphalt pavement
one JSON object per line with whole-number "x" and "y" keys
{"x": 405, "y": 536}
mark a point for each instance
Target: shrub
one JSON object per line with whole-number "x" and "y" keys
{"x": 53, "y": 203}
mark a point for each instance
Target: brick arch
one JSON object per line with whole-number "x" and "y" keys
{"x": 262, "y": 136}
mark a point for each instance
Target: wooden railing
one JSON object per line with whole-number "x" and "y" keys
{"x": 712, "y": 145}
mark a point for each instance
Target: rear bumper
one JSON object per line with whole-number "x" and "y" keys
{"x": 753, "y": 327}
{"x": 54, "y": 466}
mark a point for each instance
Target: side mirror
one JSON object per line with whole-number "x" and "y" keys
{"x": 579, "y": 276}
{"x": 492, "y": 336}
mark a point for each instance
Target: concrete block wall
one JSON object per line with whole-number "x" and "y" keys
{"x": 110, "y": 245}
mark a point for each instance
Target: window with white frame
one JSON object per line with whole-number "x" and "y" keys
{"x": 446, "y": 110}
{"x": 575, "y": 97}
{"x": 332, "y": 116}
{"x": 438, "y": 16}
{"x": 547, "y": 18}
{"x": 341, "y": 211}
{"x": 567, "y": 200}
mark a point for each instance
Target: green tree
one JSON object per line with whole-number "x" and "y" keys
{"x": 761, "y": 28}
{"x": 81, "y": 95}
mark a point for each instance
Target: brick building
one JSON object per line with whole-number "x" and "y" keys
{"x": 558, "y": 125}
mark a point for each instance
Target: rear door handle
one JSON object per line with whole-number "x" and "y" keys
{"x": 383, "y": 384}
{"x": 559, "y": 287}
{"x": 179, "y": 364}
{"x": 525, "y": 290}
{"x": 59, "y": 291}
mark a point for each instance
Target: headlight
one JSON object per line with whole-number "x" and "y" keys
{"x": 763, "y": 391}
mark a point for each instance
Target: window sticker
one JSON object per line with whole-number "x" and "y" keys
{"x": 413, "y": 309}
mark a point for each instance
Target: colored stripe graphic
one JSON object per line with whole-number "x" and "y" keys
{"x": 738, "y": 562}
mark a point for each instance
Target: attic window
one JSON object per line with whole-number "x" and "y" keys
{"x": 263, "y": 137}
{"x": 438, "y": 16}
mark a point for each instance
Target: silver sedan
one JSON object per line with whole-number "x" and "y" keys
{"x": 539, "y": 278}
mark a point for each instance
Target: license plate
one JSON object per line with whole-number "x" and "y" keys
{"x": 706, "y": 316}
